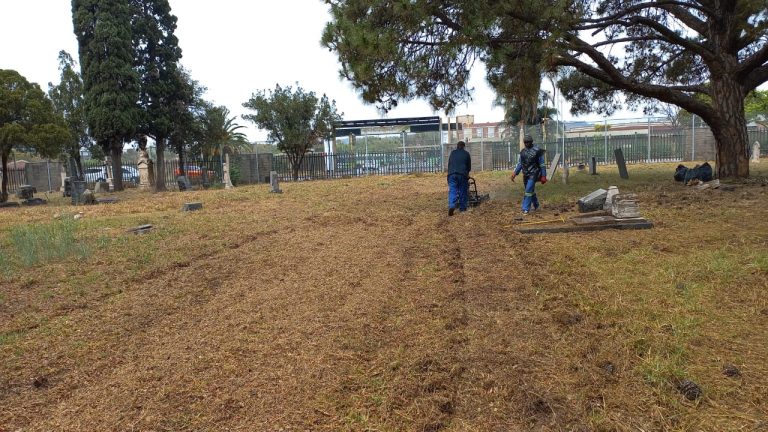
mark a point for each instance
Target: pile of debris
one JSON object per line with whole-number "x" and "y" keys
{"x": 600, "y": 210}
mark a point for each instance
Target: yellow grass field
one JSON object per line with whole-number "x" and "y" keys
{"x": 359, "y": 305}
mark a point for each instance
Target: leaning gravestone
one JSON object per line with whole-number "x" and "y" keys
{"x": 274, "y": 181}
{"x": 553, "y": 166}
{"x": 621, "y": 163}
{"x": 593, "y": 201}
{"x": 756, "y": 152}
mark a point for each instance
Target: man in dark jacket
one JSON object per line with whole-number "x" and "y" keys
{"x": 534, "y": 169}
{"x": 459, "y": 166}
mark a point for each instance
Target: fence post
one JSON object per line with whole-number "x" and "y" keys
{"x": 482, "y": 154}
{"x": 693, "y": 137}
{"x": 48, "y": 169}
{"x": 649, "y": 140}
{"x": 605, "y": 135}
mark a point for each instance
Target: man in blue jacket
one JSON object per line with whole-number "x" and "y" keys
{"x": 459, "y": 166}
{"x": 534, "y": 169}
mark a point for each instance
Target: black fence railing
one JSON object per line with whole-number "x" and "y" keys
{"x": 197, "y": 171}
{"x": 326, "y": 166}
{"x": 636, "y": 148}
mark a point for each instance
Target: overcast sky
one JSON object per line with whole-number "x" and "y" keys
{"x": 233, "y": 47}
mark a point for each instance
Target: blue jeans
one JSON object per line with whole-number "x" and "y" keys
{"x": 530, "y": 194}
{"x": 458, "y": 191}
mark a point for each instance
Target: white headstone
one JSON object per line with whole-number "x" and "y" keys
{"x": 553, "y": 166}
{"x": 756, "y": 152}
{"x": 565, "y": 174}
{"x": 275, "y": 182}
{"x": 612, "y": 192}
{"x": 227, "y": 178}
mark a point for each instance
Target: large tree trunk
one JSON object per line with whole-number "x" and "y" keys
{"x": 4, "y": 167}
{"x": 160, "y": 164}
{"x": 78, "y": 165}
{"x": 117, "y": 165}
{"x": 295, "y": 166}
{"x": 729, "y": 126}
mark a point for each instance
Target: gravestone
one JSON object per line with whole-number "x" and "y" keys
{"x": 625, "y": 206}
{"x": 87, "y": 197}
{"x": 565, "y": 174}
{"x": 110, "y": 180}
{"x": 612, "y": 192}
{"x": 227, "y": 178}
{"x": 78, "y": 187}
{"x": 756, "y": 152}
{"x": 593, "y": 201}
{"x": 274, "y": 181}
{"x": 593, "y": 166}
{"x": 101, "y": 187}
{"x": 622, "y": 164}
{"x": 183, "y": 183}
{"x": 553, "y": 166}
{"x": 64, "y": 184}
{"x": 192, "y": 206}
{"x": 145, "y": 180}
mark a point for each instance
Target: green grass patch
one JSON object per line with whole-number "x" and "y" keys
{"x": 37, "y": 244}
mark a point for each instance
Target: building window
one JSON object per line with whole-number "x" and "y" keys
{"x": 491, "y": 132}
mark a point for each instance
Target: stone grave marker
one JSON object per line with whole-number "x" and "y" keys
{"x": 593, "y": 201}
{"x": 274, "y": 181}
{"x": 756, "y": 152}
{"x": 621, "y": 163}
{"x": 192, "y": 206}
{"x": 625, "y": 206}
{"x": 612, "y": 192}
{"x": 553, "y": 166}
{"x": 565, "y": 173}
{"x": 227, "y": 178}
{"x": 183, "y": 183}
{"x": 593, "y": 165}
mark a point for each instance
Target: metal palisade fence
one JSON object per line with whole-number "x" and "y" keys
{"x": 328, "y": 166}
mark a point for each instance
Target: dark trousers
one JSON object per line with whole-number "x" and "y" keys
{"x": 458, "y": 191}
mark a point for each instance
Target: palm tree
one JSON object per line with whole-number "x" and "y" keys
{"x": 221, "y": 133}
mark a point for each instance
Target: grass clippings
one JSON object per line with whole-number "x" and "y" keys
{"x": 358, "y": 304}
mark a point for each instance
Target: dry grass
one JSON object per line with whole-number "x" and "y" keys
{"x": 359, "y": 305}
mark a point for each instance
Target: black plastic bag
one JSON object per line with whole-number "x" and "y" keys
{"x": 701, "y": 172}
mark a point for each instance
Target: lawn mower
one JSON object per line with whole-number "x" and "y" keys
{"x": 474, "y": 198}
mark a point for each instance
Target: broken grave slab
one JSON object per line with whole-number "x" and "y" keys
{"x": 192, "y": 206}
{"x": 593, "y": 201}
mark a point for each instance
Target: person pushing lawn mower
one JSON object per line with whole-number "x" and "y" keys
{"x": 534, "y": 169}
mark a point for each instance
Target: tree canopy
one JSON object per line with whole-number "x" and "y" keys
{"x": 27, "y": 118}
{"x": 668, "y": 51}
{"x": 67, "y": 97}
{"x": 220, "y": 133}
{"x": 104, "y": 35}
{"x": 296, "y": 120}
{"x": 156, "y": 56}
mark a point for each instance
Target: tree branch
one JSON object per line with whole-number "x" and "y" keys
{"x": 675, "y": 38}
{"x": 687, "y": 18}
{"x": 651, "y": 5}
{"x": 606, "y": 72}
{"x": 627, "y": 39}
{"x": 752, "y": 62}
{"x": 756, "y": 77}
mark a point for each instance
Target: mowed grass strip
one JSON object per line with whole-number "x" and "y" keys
{"x": 358, "y": 304}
